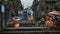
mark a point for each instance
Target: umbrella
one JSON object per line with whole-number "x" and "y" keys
{"x": 54, "y": 13}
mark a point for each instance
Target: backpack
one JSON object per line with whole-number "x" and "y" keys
{"x": 50, "y": 24}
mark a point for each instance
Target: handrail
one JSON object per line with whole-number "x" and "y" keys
{"x": 28, "y": 28}
{"x": 27, "y": 31}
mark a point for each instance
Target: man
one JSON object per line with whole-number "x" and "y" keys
{"x": 25, "y": 14}
{"x": 20, "y": 14}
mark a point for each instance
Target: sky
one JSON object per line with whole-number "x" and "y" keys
{"x": 2, "y": 8}
{"x": 27, "y": 3}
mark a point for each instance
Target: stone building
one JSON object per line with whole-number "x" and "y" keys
{"x": 12, "y": 5}
{"x": 43, "y": 5}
